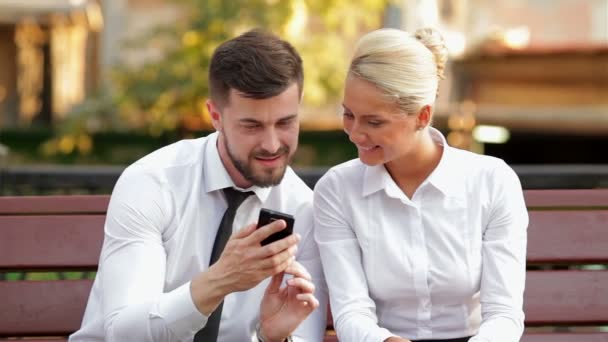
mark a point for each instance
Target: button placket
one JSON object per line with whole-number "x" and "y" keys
{"x": 423, "y": 290}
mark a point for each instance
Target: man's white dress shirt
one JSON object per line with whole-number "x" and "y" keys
{"x": 447, "y": 263}
{"x": 160, "y": 228}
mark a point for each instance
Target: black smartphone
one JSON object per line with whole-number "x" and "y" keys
{"x": 268, "y": 216}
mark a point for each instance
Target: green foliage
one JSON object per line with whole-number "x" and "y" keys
{"x": 316, "y": 148}
{"x": 45, "y": 276}
{"x": 168, "y": 95}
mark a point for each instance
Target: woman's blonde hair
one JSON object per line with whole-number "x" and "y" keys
{"x": 406, "y": 67}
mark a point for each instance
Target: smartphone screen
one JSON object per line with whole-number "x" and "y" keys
{"x": 268, "y": 216}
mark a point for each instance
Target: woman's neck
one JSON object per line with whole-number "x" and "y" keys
{"x": 412, "y": 169}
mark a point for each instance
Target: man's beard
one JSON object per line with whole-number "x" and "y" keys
{"x": 263, "y": 178}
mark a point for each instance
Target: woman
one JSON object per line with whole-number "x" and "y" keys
{"x": 419, "y": 241}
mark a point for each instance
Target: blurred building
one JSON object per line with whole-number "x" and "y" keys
{"x": 50, "y": 52}
{"x": 57, "y": 52}
{"x": 127, "y": 22}
{"x": 529, "y": 78}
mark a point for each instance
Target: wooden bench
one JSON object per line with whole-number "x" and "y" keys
{"x": 563, "y": 302}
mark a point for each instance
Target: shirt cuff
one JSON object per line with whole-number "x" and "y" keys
{"x": 180, "y": 313}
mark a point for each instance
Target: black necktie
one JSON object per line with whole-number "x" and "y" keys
{"x": 234, "y": 198}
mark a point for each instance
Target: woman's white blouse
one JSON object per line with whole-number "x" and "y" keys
{"x": 447, "y": 263}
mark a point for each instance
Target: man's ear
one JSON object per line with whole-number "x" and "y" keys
{"x": 423, "y": 118}
{"x": 216, "y": 116}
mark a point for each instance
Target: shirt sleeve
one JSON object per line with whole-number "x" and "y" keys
{"x": 133, "y": 265}
{"x": 313, "y": 328}
{"x": 354, "y": 312}
{"x": 503, "y": 261}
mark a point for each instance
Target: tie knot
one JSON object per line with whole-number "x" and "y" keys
{"x": 234, "y": 198}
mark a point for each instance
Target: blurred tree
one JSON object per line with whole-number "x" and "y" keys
{"x": 168, "y": 95}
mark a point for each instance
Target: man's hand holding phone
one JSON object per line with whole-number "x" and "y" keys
{"x": 254, "y": 253}
{"x": 244, "y": 263}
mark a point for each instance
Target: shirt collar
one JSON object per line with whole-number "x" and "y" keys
{"x": 443, "y": 177}
{"x": 374, "y": 179}
{"x": 216, "y": 176}
{"x": 377, "y": 178}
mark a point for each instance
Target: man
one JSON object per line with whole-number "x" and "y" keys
{"x": 155, "y": 282}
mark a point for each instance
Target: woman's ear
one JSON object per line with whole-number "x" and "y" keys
{"x": 423, "y": 118}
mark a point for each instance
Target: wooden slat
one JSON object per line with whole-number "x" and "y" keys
{"x": 72, "y": 204}
{"x": 47, "y": 242}
{"x": 597, "y": 198}
{"x": 44, "y": 308}
{"x": 56, "y": 307}
{"x": 566, "y": 337}
{"x": 566, "y": 297}
{"x": 10, "y": 205}
{"x": 568, "y": 236}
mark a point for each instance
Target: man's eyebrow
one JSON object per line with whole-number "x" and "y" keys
{"x": 250, "y": 121}
{"x": 255, "y": 121}
{"x": 288, "y": 118}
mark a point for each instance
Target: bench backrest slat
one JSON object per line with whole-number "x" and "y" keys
{"x": 42, "y": 308}
{"x": 46, "y": 242}
{"x": 75, "y": 204}
{"x": 566, "y": 297}
{"x": 568, "y": 198}
{"x": 551, "y": 297}
{"x": 568, "y": 237}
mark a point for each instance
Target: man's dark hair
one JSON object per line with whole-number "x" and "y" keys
{"x": 257, "y": 64}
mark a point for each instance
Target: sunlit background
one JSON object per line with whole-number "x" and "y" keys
{"x": 104, "y": 82}
{"x": 89, "y": 86}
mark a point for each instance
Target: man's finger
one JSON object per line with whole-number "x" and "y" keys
{"x": 308, "y": 299}
{"x": 265, "y": 231}
{"x": 303, "y": 285}
{"x": 279, "y": 246}
{"x": 244, "y": 232}
{"x": 275, "y": 283}
{"x": 278, "y": 259}
{"x": 297, "y": 270}
{"x": 271, "y": 251}
{"x": 272, "y": 270}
